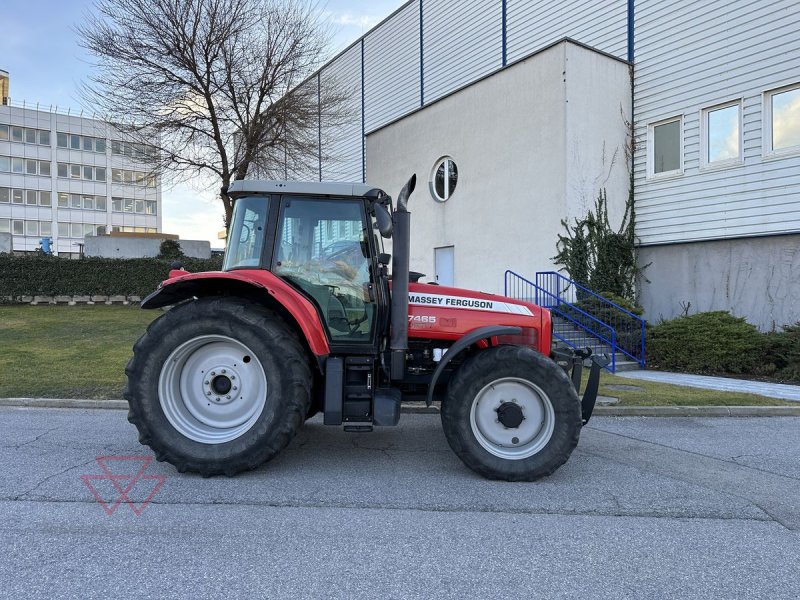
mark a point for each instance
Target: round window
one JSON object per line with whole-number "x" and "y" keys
{"x": 445, "y": 177}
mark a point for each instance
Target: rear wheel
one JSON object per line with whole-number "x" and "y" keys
{"x": 511, "y": 414}
{"x": 218, "y": 386}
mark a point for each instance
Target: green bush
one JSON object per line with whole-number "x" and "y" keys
{"x": 170, "y": 250}
{"x": 782, "y": 353}
{"x": 711, "y": 342}
{"x": 52, "y": 276}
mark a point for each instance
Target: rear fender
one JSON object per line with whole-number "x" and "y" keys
{"x": 260, "y": 286}
{"x": 464, "y": 342}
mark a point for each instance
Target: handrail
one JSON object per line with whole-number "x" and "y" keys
{"x": 568, "y": 300}
{"x": 610, "y": 340}
{"x": 588, "y": 291}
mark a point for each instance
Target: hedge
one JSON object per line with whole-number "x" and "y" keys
{"x": 53, "y": 276}
{"x": 711, "y": 342}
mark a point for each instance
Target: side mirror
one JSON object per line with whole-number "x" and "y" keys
{"x": 384, "y": 220}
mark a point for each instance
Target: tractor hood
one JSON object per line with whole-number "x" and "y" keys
{"x": 447, "y": 313}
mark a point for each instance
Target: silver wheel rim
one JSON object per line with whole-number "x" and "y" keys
{"x": 532, "y": 434}
{"x": 212, "y": 389}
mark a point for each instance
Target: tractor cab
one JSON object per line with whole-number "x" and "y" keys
{"x": 321, "y": 239}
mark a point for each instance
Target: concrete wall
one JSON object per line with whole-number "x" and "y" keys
{"x": 5, "y": 243}
{"x": 527, "y": 157}
{"x": 756, "y": 278}
{"x": 128, "y": 247}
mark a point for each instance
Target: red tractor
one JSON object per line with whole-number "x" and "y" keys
{"x": 305, "y": 318}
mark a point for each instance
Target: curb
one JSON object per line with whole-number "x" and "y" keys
{"x": 420, "y": 408}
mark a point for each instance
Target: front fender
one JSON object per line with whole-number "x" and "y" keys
{"x": 261, "y": 286}
{"x": 464, "y": 342}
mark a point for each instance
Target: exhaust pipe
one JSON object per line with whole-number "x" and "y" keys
{"x": 401, "y": 251}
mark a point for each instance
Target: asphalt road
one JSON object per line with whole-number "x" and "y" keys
{"x": 646, "y": 508}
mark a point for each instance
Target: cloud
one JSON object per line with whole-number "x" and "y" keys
{"x": 347, "y": 19}
{"x": 192, "y": 214}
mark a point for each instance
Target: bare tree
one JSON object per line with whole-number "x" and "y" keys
{"x": 220, "y": 87}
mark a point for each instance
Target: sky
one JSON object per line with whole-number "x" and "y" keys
{"x": 40, "y": 50}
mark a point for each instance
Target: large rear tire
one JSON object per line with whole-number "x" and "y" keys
{"x": 512, "y": 414}
{"x": 218, "y": 386}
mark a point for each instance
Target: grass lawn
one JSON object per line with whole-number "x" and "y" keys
{"x": 67, "y": 351}
{"x": 81, "y": 352}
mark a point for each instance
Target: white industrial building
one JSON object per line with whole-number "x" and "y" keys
{"x": 65, "y": 176}
{"x": 515, "y": 113}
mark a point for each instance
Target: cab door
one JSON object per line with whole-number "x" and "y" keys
{"x": 323, "y": 249}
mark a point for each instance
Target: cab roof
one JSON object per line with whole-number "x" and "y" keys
{"x": 302, "y": 188}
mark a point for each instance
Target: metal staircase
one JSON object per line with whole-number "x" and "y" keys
{"x": 583, "y": 318}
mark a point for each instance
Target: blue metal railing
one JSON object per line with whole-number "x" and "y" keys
{"x": 584, "y": 310}
{"x": 599, "y": 336}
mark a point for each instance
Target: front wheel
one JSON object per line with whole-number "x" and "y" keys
{"x": 510, "y": 413}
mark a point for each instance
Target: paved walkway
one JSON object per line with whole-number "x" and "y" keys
{"x": 723, "y": 384}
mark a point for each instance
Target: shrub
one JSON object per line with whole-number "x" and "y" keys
{"x": 39, "y": 275}
{"x": 782, "y": 353}
{"x": 170, "y": 250}
{"x": 711, "y": 342}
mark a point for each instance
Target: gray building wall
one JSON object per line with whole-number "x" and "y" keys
{"x": 754, "y": 278}
{"x": 132, "y": 247}
{"x": 532, "y": 144}
{"x": 689, "y": 57}
{"x": 5, "y": 243}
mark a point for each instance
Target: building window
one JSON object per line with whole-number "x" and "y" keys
{"x": 100, "y": 174}
{"x": 100, "y": 145}
{"x": 75, "y": 142}
{"x": 5, "y": 225}
{"x": 44, "y": 138}
{"x": 75, "y": 201}
{"x": 3, "y": 133}
{"x": 16, "y": 196}
{"x": 30, "y": 197}
{"x": 150, "y": 206}
{"x": 5, "y": 195}
{"x": 18, "y": 227}
{"x": 30, "y": 136}
{"x": 5, "y": 164}
{"x": 664, "y": 147}
{"x": 76, "y": 230}
{"x": 444, "y": 179}
{"x": 62, "y": 140}
{"x": 100, "y": 203}
{"x": 32, "y": 228}
{"x": 16, "y": 134}
{"x": 45, "y": 228}
{"x": 31, "y": 167}
{"x": 722, "y": 134}
{"x": 782, "y": 120}
{"x": 17, "y": 165}
{"x": 63, "y": 200}
{"x": 44, "y": 168}
{"x": 44, "y": 199}
{"x": 63, "y": 230}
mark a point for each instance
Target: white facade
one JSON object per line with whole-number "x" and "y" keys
{"x": 66, "y": 176}
{"x": 531, "y": 144}
{"x": 716, "y": 121}
{"x": 696, "y": 56}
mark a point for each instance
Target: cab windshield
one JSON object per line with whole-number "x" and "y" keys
{"x": 247, "y": 233}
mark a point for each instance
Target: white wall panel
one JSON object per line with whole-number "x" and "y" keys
{"x": 391, "y": 68}
{"x": 342, "y": 142}
{"x": 462, "y": 41}
{"x": 690, "y": 56}
{"x": 533, "y": 24}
